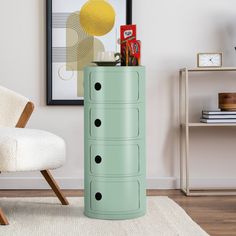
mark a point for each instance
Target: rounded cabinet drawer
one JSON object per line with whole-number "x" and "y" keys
{"x": 110, "y": 197}
{"x": 114, "y": 123}
{"x": 115, "y": 87}
{"x": 114, "y": 160}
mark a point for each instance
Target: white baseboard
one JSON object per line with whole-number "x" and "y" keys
{"x": 77, "y": 183}
{"x": 162, "y": 183}
{"x": 213, "y": 183}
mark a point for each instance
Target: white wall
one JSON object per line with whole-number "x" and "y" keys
{"x": 172, "y": 33}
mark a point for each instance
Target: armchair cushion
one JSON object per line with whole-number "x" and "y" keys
{"x": 30, "y": 150}
{"x": 11, "y": 107}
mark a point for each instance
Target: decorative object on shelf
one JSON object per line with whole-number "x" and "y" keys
{"x": 227, "y": 114}
{"x": 130, "y": 48}
{"x": 209, "y": 59}
{"x": 227, "y": 101}
{"x": 114, "y": 144}
{"x": 76, "y": 31}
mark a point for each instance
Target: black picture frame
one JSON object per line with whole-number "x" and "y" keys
{"x": 49, "y": 99}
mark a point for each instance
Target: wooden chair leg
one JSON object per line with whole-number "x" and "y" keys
{"x": 51, "y": 181}
{"x": 3, "y": 219}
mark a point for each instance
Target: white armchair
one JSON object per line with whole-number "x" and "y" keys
{"x": 27, "y": 149}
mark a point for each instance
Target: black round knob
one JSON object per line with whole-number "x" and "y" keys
{"x": 97, "y": 123}
{"x": 97, "y": 86}
{"x": 98, "y": 159}
{"x": 98, "y": 196}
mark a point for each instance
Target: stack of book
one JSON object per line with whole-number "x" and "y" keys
{"x": 218, "y": 116}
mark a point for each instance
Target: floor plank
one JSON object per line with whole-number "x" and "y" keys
{"x": 215, "y": 214}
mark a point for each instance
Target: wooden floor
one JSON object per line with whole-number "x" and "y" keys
{"x": 216, "y": 215}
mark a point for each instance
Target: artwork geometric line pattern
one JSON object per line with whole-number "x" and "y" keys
{"x": 59, "y": 19}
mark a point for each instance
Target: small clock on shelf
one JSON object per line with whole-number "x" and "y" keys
{"x": 209, "y": 60}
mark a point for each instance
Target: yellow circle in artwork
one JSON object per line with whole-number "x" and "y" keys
{"x": 97, "y": 17}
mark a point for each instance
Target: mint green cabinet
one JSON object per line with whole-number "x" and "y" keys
{"x": 114, "y": 142}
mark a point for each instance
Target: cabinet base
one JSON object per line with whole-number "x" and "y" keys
{"x": 114, "y": 217}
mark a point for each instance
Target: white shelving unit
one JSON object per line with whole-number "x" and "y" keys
{"x": 185, "y": 129}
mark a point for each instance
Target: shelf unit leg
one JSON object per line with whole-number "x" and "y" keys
{"x": 181, "y": 159}
{"x": 180, "y": 132}
{"x": 187, "y": 130}
{"x": 187, "y": 159}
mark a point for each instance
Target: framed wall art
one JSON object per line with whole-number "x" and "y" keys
{"x": 76, "y": 31}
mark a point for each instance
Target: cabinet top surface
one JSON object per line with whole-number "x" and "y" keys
{"x": 114, "y": 68}
{"x": 208, "y": 69}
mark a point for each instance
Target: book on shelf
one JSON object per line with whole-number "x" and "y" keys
{"x": 215, "y": 121}
{"x": 218, "y": 112}
{"x": 220, "y": 116}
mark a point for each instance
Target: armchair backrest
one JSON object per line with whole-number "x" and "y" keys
{"x": 15, "y": 109}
